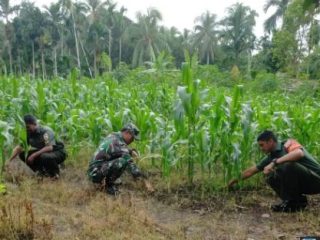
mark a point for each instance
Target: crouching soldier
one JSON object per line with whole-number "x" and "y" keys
{"x": 289, "y": 169}
{"x": 113, "y": 157}
{"x": 45, "y": 152}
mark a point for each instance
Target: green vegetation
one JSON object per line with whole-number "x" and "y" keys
{"x": 195, "y": 129}
{"x": 199, "y": 98}
{"x": 96, "y": 37}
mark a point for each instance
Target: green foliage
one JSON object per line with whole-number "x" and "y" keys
{"x": 235, "y": 73}
{"x": 311, "y": 65}
{"x": 237, "y": 34}
{"x": 106, "y": 62}
{"x": 199, "y": 130}
{"x": 211, "y": 74}
{"x": 285, "y": 50}
{"x": 6, "y": 139}
{"x": 121, "y": 72}
{"x": 265, "y": 82}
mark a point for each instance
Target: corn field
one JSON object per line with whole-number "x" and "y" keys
{"x": 189, "y": 127}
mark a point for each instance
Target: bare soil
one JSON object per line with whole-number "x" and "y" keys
{"x": 71, "y": 209}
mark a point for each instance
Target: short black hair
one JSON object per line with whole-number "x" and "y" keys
{"x": 266, "y": 136}
{"x": 30, "y": 119}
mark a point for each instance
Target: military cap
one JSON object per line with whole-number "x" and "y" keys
{"x": 133, "y": 130}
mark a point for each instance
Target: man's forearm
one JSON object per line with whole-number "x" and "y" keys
{"x": 17, "y": 150}
{"x": 292, "y": 156}
{"x": 43, "y": 150}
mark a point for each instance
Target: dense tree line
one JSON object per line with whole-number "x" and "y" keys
{"x": 96, "y": 36}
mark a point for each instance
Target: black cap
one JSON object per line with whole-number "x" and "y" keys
{"x": 30, "y": 119}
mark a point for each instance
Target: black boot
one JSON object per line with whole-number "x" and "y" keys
{"x": 112, "y": 190}
{"x": 295, "y": 205}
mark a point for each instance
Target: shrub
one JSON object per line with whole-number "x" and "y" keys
{"x": 265, "y": 82}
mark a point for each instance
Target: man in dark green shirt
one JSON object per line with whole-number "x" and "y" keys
{"x": 44, "y": 153}
{"x": 290, "y": 171}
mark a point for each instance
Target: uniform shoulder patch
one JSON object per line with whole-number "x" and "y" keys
{"x": 292, "y": 145}
{"x": 46, "y": 138}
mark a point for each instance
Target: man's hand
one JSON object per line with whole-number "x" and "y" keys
{"x": 148, "y": 186}
{"x": 134, "y": 153}
{"x": 269, "y": 168}
{"x": 231, "y": 183}
{"x": 17, "y": 150}
{"x": 31, "y": 158}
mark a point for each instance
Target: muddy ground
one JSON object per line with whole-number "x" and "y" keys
{"x": 70, "y": 209}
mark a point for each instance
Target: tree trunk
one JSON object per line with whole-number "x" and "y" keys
{"x": 109, "y": 47}
{"x": 19, "y": 60}
{"x": 95, "y": 63}
{"x": 55, "y": 69}
{"x": 33, "y": 63}
{"x": 249, "y": 66}
{"x": 10, "y": 57}
{"x": 208, "y": 59}
{"x": 43, "y": 64}
{"x": 120, "y": 50}
{"x": 62, "y": 47}
{"x": 7, "y": 30}
{"x": 85, "y": 57}
{"x": 76, "y": 41}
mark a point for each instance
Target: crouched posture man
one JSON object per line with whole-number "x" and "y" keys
{"x": 45, "y": 153}
{"x": 290, "y": 171}
{"x": 113, "y": 157}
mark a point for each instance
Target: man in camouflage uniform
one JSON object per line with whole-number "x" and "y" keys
{"x": 45, "y": 153}
{"x": 113, "y": 157}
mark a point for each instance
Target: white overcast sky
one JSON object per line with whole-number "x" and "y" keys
{"x": 182, "y": 13}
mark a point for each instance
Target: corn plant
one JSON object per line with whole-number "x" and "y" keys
{"x": 190, "y": 127}
{"x": 190, "y": 97}
{"x": 6, "y": 140}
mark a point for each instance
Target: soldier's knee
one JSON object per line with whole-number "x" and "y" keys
{"x": 95, "y": 175}
{"x": 271, "y": 178}
{"x": 50, "y": 156}
{"x": 287, "y": 167}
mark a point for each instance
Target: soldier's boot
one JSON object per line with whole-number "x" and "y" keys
{"x": 291, "y": 205}
{"x": 118, "y": 182}
{"x": 111, "y": 189}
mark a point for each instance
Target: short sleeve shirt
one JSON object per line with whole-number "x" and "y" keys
{"x": 285, "y": 147}
{"x": 43, "y": 136}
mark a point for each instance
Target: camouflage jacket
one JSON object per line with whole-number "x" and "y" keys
{"x": 114, "y": 147}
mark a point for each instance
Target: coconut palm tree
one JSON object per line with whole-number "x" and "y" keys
{"x": 281, "y": 6}
{"x": 69, "y": 9}
{"x": 95, "y": 31}
{"x": 109, "y": 19}
{"x": 122, "y": 26}
{"x": 5, "y": 11}
{"x": 237, "y": 35}
{"x": 55, "y": 18}
{"x": 205, "y": 35}
{"x": 150, "y": 41}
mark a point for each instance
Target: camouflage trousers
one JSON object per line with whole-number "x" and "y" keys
{"x": 108, "y": 171}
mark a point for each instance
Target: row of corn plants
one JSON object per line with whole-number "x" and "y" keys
{"x": 203, "y": 133}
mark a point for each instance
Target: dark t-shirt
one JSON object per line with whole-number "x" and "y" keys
{"x": 282, "y": 149}
{"x": 42, "y": 137}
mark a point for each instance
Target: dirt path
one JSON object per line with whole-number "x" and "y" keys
{"x": 246, "y": 220}
{"x": 69, "y": 209}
